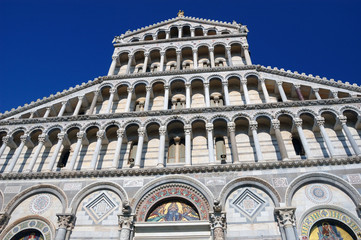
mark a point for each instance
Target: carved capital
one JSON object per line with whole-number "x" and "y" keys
{"x": 4, "y": 219}
{"x": 162, "y": 130}
{"x": 141, "y": 131}
{"x": 166, "y": 87}
{"x": 298, "y": 122}
{"x": 24, "y": 138}
{"x": 261, "y": 80}
{"x": 285, "y": 216}
{"x": 206, "y": 85}
{"x": 320, "y": 121}
{"x": 195, "y": 50}
{"x": 253, "y": 125}
{"x": 96, "y": 92}
{"x": 6, "y": 139}
{"x": 66, "y": 221}
{"x": 343, "y": 119}
{"x": 244, "y": 81}
{"x": 148, "y": 88}
{"x": 315, "y": 89}
{"x": 231, "y": 126}
{"x": 276, "y": 123}
{"x": 178, "y": 52}
{"x": 115, "y": 58}
{"x": 187, "y": 129}
{"x": 42, "y": 138}
{"x": 218, "y": 224}
{"x": 80, "y": 134}
{"x": 125, "y": 221}
{"x": 101, "y": 134}
{"x": 279, "y": 83}
{"x": 297, "y": 86}
{"x": 61, "y": 136}
{"x": 245, "y": 47}
{"x": 188, "y": 85}
{"x": 64, "y": 102}
{"x": 162, "y": 53}
{"x": 228, "y": 48}
{"x": 146, "y": 54}
{"x": 112, "y": 90}
{"x": 209, "y": 127}
{"x": 130, "y": 89}
{"x": 120, "y": 132}
{"x": 211, "y": 49}
{"x": 225, "y": 84}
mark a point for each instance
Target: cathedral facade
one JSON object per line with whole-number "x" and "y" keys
{"x": 185, "y": 138}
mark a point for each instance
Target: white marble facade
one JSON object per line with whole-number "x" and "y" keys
{"x": 183, "y": 115}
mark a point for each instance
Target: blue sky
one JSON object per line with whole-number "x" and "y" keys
{"x": 47, "y": 46}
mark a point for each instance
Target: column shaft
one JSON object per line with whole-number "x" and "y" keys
{"x": 162, "y": 132}
{"x": 76, "y": 150}
{"x": 60, "y": 234}
{"x": 129, "y": 99}
{"x": 62, "y": 109}
{"x": 138, "y": 155}
{"x": 56, "y": 151}
{"x": 206, "y": 94}
{"x": 112, "y": 66}
{"x": 317, "y": 95}
{"x": 211, "y": 56}
{"x": 120, "y": 135}
{"x": 280, "y": 142}
{"x": 100, "y": 136}
{"x": 350, "y": 138}
{"x": 178, "y": 60}
{"x": 253, "y": 126}
{"x": 209, "y": 128}
{"x": 245, "y": 91}
{"x": 36, "y": 154}
{"x": 145, "y": 64}
{"x": 166, "y": 97}
{"x": 18, "y": 151}
{"x": 78, "y": 106}
{"x": 188, "y": 95}
{"x": 298, "y": 123}
{"x": 129, "y": 63}
{"x": 232, "y": 136}
{"x": 247, "y": 56}
{"x": 195, "y": 58}
{"x": 329, "y": 145}
{"x": 94, "y": 102}
{"x": 47, "y": 112}
{"x": 147, "y": 98}
{"x": 299, "y": 93}
{"x": 264, "y": 90}
{"x": 110, "y": 102}
{"x": 161, "y": 69}
{"x": 188, "y": 144}
{"x": 282, "y": 92}
{"x": 226, "y": 93}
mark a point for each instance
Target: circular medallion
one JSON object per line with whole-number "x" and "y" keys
{"x": 318, "y": 193}
{"x": 40, "y": 203}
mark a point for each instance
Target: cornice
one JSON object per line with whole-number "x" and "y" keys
{"x": 263, "y": 106}
{"x": 258, "y": 68}
{"x": 248, "y": 166}
{"x": 183, "y": 39}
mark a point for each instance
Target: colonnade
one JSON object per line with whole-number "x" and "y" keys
{"x": 176, "y": 140}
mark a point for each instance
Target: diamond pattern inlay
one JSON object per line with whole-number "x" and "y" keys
{"x": 100, "y": 207}
{"x": 249, "y": 203}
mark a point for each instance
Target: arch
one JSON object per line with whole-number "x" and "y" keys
{"x": 249, "y": 74}
{"x": 103, "y": 85}
{"x": 306, "y": 110}
{"x": 93, "y": 187}
{"x": 134, "y": 39}
{"x": 5, "y": 130}
{"x": 49, "y": 233}
{"x": 233, "y": 75}
{"x": 197, "y": 78}
{"x": 177, "y": 78}
{"x": 123, "y": 51}
{"x": 156, "y": 81}
{"x": 219, "y": 43}
{"x": 305, "y": 223}
{"x": 154, "y": 48}
{"x": 37, "y": 127}
{"x": 263, "y": 114}
{"x": 324, "y": 178}
{"x": 248, "y": 181}
{"x": 350, "y": 108}
{"x": 235, "y": 42}
{"x": 132, "y": 121}
{"x": 40, "y": 188}
{"x": 153, "y": 120}
{"x": 57, "y": 126}
{"x": 138, "y": 50}
{"x": 17, "y": 130}
{"x": 142, "y": 193}
{"x": 186, "y": 46}
{"x": 203, "y": 45}
{"x": 115, "y": 123}
{"x": 241, "y": 115}
{"x": 327, "y": 109}
{"x": 284, "y": 112}
{"x": 219, "y": 116}
{"x": 73, "y": 125}
{"x": 137, "y": 82}
{"x": 198, "y": 118}
{"x": 215, "y": 76}
{"x": 170, "y": 47}
{"x": 91, "y": 124}
{"x": 126, "y": 83}
{"x": 175, "y": 118}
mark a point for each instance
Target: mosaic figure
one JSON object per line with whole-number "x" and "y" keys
{"x": 329, "y": 231}
{"x": 173, "y": 212}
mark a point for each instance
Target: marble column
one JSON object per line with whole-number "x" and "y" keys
{"x": 179, "y": 32}
{"x": 188, "y": 144}
{"x": 32, "y": 114}
{"x": 299, "y": 93}
{"x": 229, "y": 56}
{"x": 125, "y": 222}
{"x": 192, "y": 32}
{"x": 264, "y": 90}
{"x": 129, "y": 99}
{"x": 246, "y": 55}
{"x": 195, "y": 58}
{"x": 66, "y": 223}
{"x": 47, "y": 112}
{"x": 145, "y": 64}
{"x": 232, "y": 136}
{"x": 78, "y": 106}
{"x": 321, "y": 122}
{"x": 298, "y": 123}
{"x": 179, "y": 52}
{"x": 111, "y": 99}
{"x": 226, "y": 93}
{"x": 281, "y": 144}
{"x": 167, "y": 34}
{"x": 147, "y": 98}
{"x": 100, "y": 137}
{"x": 162, "y": 132}
{"x": 166, "y": 97}
{"x": 24, "y": 138}
{"x": 317, "y": 95}
{"x": 286, "y": 221}
{"x": 62, "y": 109}
{"x": 209, "y": 128}
{"x": 129, "y": 65}
{"x": 356, "y": 149}
{"x": 334, "y": 94}
{"x": 138, "y": 156}
{"x": 113, "y": 65}
{"x": 78, "y": 145}
{"x": 206, "y": 94}
{"x": 253, "y": 126}
{"x": 58, "y": 146}
{"x": 94, "y": 102}
{"x": 211, "y": 56}
{"x": 282, "y": 92}
{"x": 162, "y": 54}
{"x": 118, "y": 148}
{"x": 245, "y": 91}
{"x": 6, "y": 140}
{"x": 188, "y": 95}
{"x": 218, "y": 225}
{"x": 41, "y": 141}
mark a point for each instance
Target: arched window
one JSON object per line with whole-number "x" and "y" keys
{"x": 331, "y": 229}
{"x": 132, "y": 151}
{"x": 297, "y": 145}
{"x": 176, "y": 151}
{"x": 32, "y": 234}
{"x": 64, "y": 156}
{"x": 175, "y": 210}
{"x": 220, "y": 148}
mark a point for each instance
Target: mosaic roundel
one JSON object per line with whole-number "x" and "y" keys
{"x": 40, "y": 203}
{"x": 318, "y": 193}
